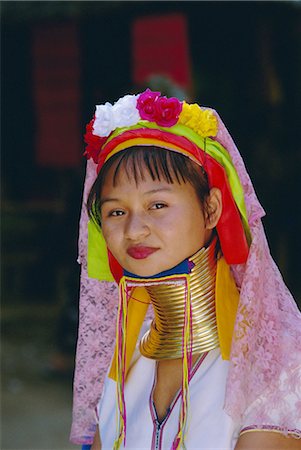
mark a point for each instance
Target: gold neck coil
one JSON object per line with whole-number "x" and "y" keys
{"x": 164, "y": 338}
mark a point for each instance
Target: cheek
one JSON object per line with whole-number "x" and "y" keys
{"x": 104, "y": 230}
{"x": 190, "y": 219}
{"x": 110, "y": 234}
{"x": 193, "y": 228}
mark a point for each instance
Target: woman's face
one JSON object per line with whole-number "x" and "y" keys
{"x": 151, "y": 226}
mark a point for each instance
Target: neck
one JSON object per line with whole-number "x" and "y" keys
{"x": 165, "y": 337}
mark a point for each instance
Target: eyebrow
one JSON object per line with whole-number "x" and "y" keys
{"x": 152, "y": 191}
{"x": 108, "y": 199}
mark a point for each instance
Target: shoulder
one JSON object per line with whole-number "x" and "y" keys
{"x": 264, "y": 440}
{"x": 274, "y": 418}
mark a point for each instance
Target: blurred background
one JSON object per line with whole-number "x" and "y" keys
{"x": 59, "y": 59}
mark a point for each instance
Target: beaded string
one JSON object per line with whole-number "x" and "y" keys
{"x": 186, "y": 368}
{"x": 120, "y": 364}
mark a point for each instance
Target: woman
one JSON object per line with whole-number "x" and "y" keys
{"x": 219, "y": 365}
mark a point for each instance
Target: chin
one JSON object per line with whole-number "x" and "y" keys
{"x": 142, "y": 269}
{"x": 144, "y": 273}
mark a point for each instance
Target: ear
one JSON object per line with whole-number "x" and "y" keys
{"x": 214, "y": 208}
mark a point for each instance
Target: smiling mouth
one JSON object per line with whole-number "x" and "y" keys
{"x": 140, "y": 252}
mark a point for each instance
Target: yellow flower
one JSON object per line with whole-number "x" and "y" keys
{"x": 201, "y": 121}
{"x": 185, "y": 113}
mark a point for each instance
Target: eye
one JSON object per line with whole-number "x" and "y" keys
{"x": 158, "y": 205}
{"x": 116, "y": 213}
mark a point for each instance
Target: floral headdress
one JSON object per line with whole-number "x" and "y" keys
{"x": 150, "y": 106}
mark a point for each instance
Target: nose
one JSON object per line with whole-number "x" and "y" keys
{"x": 137, "y": 227}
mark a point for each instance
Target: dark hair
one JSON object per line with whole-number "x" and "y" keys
{"x": 160, "y": 164}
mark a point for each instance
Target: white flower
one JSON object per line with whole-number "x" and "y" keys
{"x": 123, "y": 114}
{"x": 125, "y": 111}
{"x": 104, "y": 120}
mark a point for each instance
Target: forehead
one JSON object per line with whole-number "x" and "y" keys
{"x": 131, "y": 191}
{"x": 136, "y": 176}
{"x": 141, "y": 165}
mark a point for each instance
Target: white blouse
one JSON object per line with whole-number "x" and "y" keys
{"x": 208, "y": 425}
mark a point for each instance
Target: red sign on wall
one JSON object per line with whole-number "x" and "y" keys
{"x": 56, "y": 90}
{"x": 160, "y": 47}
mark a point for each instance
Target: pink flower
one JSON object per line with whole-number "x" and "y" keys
{"x": 167, "y": 111}
{"x": 161, "y": 110}
{"x": 146, "y": 104}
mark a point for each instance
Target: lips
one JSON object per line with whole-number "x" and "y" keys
{"x": 141, "y": 252}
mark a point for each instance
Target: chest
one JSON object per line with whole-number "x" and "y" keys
{"x": 208, "y": 426}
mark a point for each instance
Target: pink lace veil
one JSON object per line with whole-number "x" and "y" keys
{"x": 266, "y": 335}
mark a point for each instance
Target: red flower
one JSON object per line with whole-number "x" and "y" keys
{"x": 167, "y": 111}
{"x": 161, "y": 110}
{"x": 94, "y": 143}
{"x": 146, "y": 104}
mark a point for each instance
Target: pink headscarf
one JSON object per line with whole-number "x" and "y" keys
{"x": 267, "y": 334}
